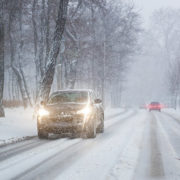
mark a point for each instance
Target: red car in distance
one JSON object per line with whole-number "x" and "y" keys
{"x": 155, "y": 106}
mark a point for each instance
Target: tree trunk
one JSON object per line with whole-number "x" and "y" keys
{"x": 42, "y": 42}
{"x": 15, "y": 70}
{"x": 73, "y": 63}
{"x": 48, "y": 31}
{"x": 93, "y": 47}
{"x": 50, "y": 68}
{"x": 25, "y": 85}
{"x": 21, "y": 55}
{"x": 104, "y": 57}
{"x": 1, "y": 59}
{"x": 35, "y": 34}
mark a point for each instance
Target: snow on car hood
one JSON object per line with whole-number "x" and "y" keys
{"x": 63, "y": 107}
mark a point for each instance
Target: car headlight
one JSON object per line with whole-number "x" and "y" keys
{"x": 85, "y": 111}
{"x": 43, "y": 112}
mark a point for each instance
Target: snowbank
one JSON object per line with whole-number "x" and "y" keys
{"x": 17, "y": 125}
{"x": 174, "y": 113}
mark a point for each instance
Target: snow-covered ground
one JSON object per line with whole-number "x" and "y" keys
{"x": 136, "y": 145}
{"x": 18, "y": 124}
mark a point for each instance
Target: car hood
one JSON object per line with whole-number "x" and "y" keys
{"x": 65, "y": 107}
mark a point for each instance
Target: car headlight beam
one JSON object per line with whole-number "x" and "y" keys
{"x": 43, "y": 112}
{"x": 85, "y": 111}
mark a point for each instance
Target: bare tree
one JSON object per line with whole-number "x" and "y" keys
{"x": 98, "y": 41}
{"x": 166, "y": 30}
{"x": 12, "y": 8}
{"x": 1, "y": 58}
{"x": 35, "y": 36}
{"x": 50, "y": 68}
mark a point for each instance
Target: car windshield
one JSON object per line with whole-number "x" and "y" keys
{"x": 155, "y": 103}
{"x": 68, "y": 97}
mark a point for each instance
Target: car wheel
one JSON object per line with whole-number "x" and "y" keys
{"x": 76, "y": 135}
{"x": 100, "y": 129}
{"x": 42, "y": 134}
{"x": 91, "y": 130}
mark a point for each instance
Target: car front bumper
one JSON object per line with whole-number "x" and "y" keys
{"x": 154, "y": 109}
{"x": 55, "y": 125}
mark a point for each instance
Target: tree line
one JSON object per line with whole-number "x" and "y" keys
{"x": 161, "y": 42}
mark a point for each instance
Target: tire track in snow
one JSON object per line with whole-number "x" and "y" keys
{"x": 39, "y": 170}
{"x": 17, "y": 150}
{"x": 128, "y": 158}
{"x": 150, "y": 164}
{"x": 168, "y": 148}
{"x": 171, "y": 126}
{"x": 117, "y": 119}
{"x": 156, "y": 169}
{"x": 28, "y": 159}
{"x": 109, "y": 117}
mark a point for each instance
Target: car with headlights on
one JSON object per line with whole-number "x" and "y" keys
{"x": 71, "y": 111}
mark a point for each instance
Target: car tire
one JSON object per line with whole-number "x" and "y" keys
{"x": 91, "y": 130}
{"x": 76, "y": 135}
{"x": 100, "y": 129}
{"x": 42, "y": 134}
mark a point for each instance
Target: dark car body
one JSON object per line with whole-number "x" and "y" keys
{"x": 154, "y": 106}
{"x": 72, "y": 111}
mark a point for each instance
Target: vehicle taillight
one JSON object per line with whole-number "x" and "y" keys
{"x": 150, "y": 106}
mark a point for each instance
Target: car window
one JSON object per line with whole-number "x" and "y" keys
{"x": 155, "y": 103}
{"x": 65, "y": 97}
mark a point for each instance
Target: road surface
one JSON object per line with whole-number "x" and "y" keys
{"x": 136, "y": 145}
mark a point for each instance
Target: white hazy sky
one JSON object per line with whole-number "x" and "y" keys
{"x": 142, "y": 76}
{"x": 146, "y": 7}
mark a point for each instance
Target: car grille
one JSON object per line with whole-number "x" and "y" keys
{"x": 65, "y": 117}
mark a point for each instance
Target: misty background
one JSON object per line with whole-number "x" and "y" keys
{"x": 127, "y": 51}
{"x": 148, "y": 78}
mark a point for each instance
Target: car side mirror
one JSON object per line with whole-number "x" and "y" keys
{"x": 98, "y": 101}
{"x": 42, "y": 103}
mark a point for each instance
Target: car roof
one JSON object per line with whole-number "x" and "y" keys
{"x": 72, "y": 90}
{"x": 155, "y": 102}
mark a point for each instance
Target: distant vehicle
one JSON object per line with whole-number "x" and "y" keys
{"x": 71, "y": 111}
{"x": 154, "y": 106}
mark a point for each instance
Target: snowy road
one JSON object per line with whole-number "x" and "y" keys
{"x": 136, "y": 145}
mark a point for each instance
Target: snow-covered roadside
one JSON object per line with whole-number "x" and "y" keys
{"x": 19, "y": 124}
{"x": 170, "y": 156}
{"x": 174, "y": 113}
